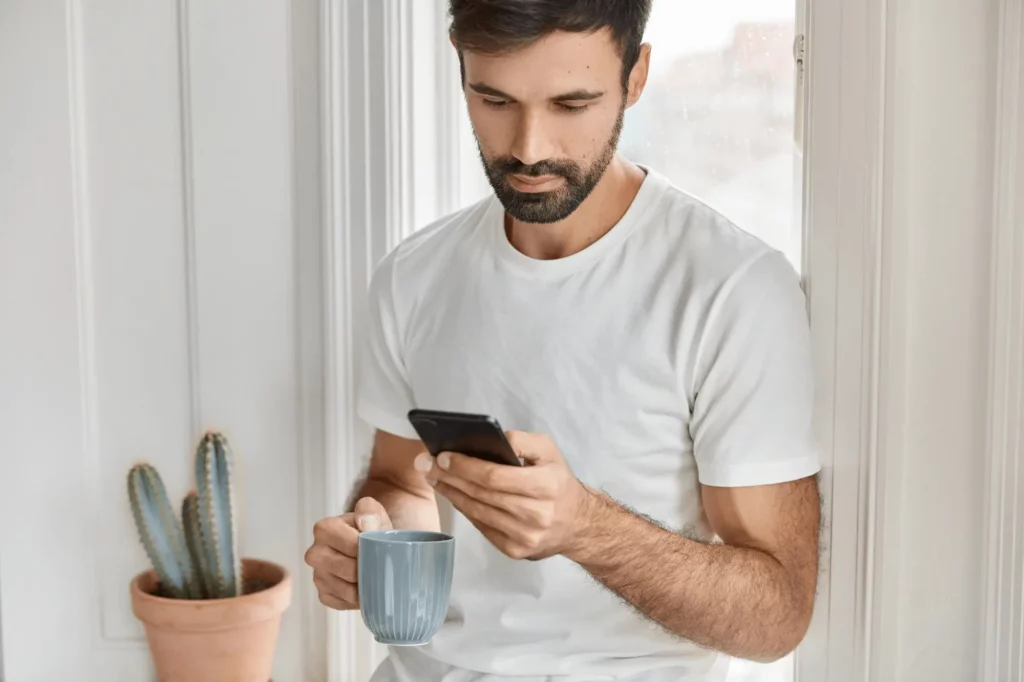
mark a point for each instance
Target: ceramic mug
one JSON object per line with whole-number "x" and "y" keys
{"x": 405, "y": 581}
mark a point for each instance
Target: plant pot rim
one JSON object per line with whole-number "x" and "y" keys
{"x": 220, "y": 612}
{"x": 282, "y": 584}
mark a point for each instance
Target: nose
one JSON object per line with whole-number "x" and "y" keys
{"x": 531, "y": 143}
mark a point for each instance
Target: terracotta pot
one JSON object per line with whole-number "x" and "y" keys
{"x": 214, "y": 640}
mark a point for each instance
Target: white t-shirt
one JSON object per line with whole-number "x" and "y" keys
{"x": 673, "y": 351}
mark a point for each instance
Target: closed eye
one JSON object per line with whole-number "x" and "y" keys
{"x": 573, "y": 108}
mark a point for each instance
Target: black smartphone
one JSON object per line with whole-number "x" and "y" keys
{"x": 476, "y": 435}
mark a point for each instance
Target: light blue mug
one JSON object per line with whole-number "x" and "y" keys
{"x": 405, "y": 582}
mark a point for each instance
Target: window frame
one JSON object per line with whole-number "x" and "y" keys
{"x": 858, "y": 341}
{"x": 383, "y": 174}
{"x": 1002, "y": 609}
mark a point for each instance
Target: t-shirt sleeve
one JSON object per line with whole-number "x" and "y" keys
{"x": 384, "y": 396}
{"x": 753, "y": 405}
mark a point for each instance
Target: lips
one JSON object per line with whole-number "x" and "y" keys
{"x": 535, "y": 183}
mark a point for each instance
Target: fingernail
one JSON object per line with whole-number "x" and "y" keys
{"x": 432, "y": 481}
{"x": 422, "y": 462}
{"x": 369, "y": 522}
{"x": 444, "y": 460}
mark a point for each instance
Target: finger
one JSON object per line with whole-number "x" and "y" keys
{"x": 535, "y": 448}
{"x": 519, "y": 506}
{"x": 342, "y": 589}
{"x": 333, "y": 601}
{"x": 326, "y": 560}
{"x": 501, "y": 542}
{"x": 371, "y": 515}
{"x": 498, "y": 477}
{"x": 338, "y": 533}
{"x": 339, "y": 589}
{"x": 482, "y": 512}
{"x": 341, "y": 533}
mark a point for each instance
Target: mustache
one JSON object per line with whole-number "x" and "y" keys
{"x": 509, "y": 165}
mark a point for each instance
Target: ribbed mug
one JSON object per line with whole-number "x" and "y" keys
{"x": 405, "y": 582}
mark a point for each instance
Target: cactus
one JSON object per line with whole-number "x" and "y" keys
{"x": 190, "y": 520}
{"x": 160, "y": 532}
{"x": 217, "y": 515}
{"x": 196, "y": 557}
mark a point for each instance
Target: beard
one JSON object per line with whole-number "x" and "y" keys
{"x": 558, "y": 204}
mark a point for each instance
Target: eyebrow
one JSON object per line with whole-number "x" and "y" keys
{"x": 573, "y": 96}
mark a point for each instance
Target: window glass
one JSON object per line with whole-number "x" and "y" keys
{"x": 717, "y": 115}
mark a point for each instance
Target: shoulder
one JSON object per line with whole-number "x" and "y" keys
{"x": 715, "y": 258}
{"x": 740, "y": 300}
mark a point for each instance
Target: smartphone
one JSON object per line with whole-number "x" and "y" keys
{"x": 476, "y": 435}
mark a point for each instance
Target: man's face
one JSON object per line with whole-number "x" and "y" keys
{"x": 547, "y": 121}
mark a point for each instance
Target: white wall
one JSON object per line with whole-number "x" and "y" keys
{"x": 951, "y": 411}
{"x": 149, "y": 289}
{"x": 920, "y": 138}
{"x": 943, "y": 108}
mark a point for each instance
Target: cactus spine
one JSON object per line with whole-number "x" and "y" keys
{"x": 196, "y": 558}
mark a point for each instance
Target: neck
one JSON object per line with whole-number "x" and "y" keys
{"x": 600, "y": 212}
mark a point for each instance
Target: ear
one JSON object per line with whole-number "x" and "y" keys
{"x": 638, "y": 76}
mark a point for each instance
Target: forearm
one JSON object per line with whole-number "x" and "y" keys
{"x": 408, "y": 509}
{"x": 732, "y": 599}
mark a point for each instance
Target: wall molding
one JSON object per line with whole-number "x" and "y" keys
{"x": 85, "y": 294}
{"x": 855, "y": 248}
{"x": 1002, "y": 657}
{"x": 396, "y": 38}
{"x": 188, "y": 211}
{"x": 103, "y": 632}
{"x": 889, "y": 362}
{"x": 308, "y": 217}
{"x": 341, "y": 268}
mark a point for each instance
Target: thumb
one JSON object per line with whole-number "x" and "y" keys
{"x": 371, "y": 515}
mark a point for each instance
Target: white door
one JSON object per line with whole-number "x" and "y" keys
{"x": 148, "y": 291}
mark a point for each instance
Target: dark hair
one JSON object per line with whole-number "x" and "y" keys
{"x": 502, "y": 26}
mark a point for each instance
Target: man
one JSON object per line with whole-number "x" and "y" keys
{"x": 651, "y": 359}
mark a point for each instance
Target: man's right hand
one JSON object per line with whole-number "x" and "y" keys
{"x": 335, "y": 551}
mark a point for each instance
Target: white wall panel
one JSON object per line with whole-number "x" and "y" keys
{"x": 150, "y": 291}
{"x": 135, "y": 279}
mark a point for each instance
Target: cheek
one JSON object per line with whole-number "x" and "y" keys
{"x": 494, "y": 130}
{"x": 585, "y": 136}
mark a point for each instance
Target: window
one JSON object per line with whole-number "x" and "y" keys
{"x": 718, "y": 118}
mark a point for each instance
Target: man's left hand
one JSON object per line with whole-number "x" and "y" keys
{"x": 529, "y": 512}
